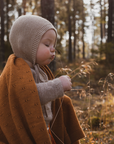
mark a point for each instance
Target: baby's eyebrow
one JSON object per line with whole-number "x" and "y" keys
{"x": 49, "y": 39}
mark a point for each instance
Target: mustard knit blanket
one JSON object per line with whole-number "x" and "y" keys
{"x": 21, "y": 118}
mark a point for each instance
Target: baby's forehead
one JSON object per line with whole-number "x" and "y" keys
{"x": 50, "y": 35}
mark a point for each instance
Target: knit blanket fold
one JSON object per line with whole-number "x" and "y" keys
{"x": 21, "y": 118}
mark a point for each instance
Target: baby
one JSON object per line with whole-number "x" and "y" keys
{"x": 33, "y": 39}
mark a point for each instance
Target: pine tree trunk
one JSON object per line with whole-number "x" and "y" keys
{"x": 19, "y": 12}
{"x": 24, "y": 7}
{"x": 101, "y": 27}
{"x": 104, "y": 28}
{"x": 110, "y": 13}
{"x": 78, "y": 47}
{"x": 69, "y": 29}
{"x": 74, "y": 25}
{"x": 7, "y": 21}
{"x": 92, "y": 20}
{"x": 110, "y": 55}
{"x": 83, "y": 30}
{"x": 2, "y": 35}
{"x": 47, "y": 11}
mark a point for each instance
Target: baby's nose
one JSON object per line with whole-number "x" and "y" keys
{"x": 52, "y": 49}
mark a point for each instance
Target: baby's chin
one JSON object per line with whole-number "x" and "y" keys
{"x": 43, "y": 64}
{"x": 47, "y": 62}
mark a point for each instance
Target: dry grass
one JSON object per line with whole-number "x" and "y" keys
{"x": 93, "y": 102}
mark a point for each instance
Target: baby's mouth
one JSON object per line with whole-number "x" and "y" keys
{"x": 52, "y": 57}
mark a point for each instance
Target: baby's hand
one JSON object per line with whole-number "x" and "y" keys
{"x": 66, "y": 82}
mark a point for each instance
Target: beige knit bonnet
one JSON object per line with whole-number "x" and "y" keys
{"x": 25, "y": 35}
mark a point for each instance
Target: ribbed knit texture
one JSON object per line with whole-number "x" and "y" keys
{"x": 26, "y": 34}
{"x": 21, "y": 118}
{"x": 48, "y": 91}
{"x": 53, "y": 89}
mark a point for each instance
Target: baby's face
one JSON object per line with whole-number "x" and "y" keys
{"x": 46, "y": 50}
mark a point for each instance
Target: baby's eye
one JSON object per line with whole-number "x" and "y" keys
{"x": 47, "y": 45}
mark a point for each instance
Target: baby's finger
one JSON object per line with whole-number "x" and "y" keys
{"x": 68, "y": 77}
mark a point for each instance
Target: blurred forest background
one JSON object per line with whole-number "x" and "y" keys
{"x": 72, "y": 18}
{"x": 85, "y": 51}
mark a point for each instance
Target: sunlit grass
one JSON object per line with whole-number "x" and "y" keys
{"x": 95, "y": 111}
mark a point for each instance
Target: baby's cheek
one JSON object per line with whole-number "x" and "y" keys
{"x": 47, "y": 52}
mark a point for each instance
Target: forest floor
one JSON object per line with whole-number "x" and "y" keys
{"x": 92, "y": 95}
